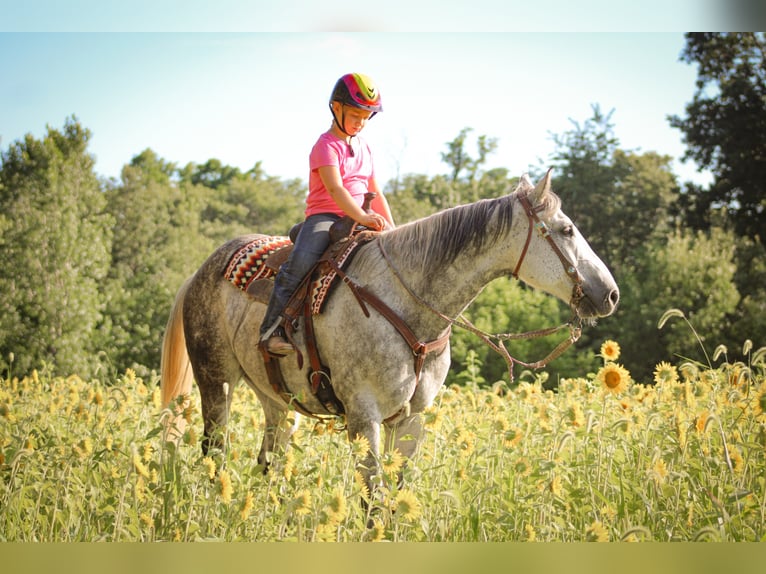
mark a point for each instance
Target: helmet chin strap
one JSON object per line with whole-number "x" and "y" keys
{"x": 343, "y": 119}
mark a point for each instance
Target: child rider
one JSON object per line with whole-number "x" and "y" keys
{"x": 341, "y": 172}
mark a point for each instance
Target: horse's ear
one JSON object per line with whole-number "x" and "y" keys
{"x": 542, "y": 188}
{"x": 525, "y": 184}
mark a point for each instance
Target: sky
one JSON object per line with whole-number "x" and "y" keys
{"x": 243, "y": 94}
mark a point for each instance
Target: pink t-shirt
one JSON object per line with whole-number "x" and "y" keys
{"x": 356, "y": 171}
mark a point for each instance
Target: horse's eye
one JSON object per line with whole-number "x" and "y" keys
{"x": 567, "y": 231}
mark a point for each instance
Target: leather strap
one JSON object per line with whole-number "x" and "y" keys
{"x": 277, "y": 381}
{"x": 319, "y": 377}
{"x": 419, "y": 348}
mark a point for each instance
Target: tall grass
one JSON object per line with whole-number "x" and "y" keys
{"x": 602, "y": 458}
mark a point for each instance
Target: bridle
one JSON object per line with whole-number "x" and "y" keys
{"x": 574, "y": 324}
{"x": 569, "y": 268}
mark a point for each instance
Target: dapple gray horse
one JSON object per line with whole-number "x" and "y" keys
{"x": 439, "y": 263}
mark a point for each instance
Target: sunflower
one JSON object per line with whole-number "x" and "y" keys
{"x": 139, "y": 466}
{"x": 702, "y": 421}
{"x": 392, "y": 461}
{"x": 360, "y": 446}
{"x": 302, "y": 502}
{"x": 209, "y": 465}
{"x": 760, "y": 403}
{"x": 407, "y": 505}
{"x": 377, "y": 532}
{"x": 665, "y": 373}
{"x": 432, "y": 417}
{"x": 364, "y": 490}
{"x": 613, "y": 377}
{"x": 336, "y": 509}
{"x": 610, "y": 351}
{"x": 573, "y": 414}
{"x": 225, "y": 488}
{"x": 596, "y": 532}
{"x": 659, "y": 471}
{"x": 465, "y": 441}
{"x": 737, "y": 462}
{"x": 247, "y": 506}
{"x": 521, "y": 467}
{"x": 512, "y": 437}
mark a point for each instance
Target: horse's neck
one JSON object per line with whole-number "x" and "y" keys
{"x": 447, "y": 292}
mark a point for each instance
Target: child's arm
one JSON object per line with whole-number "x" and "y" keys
{"x": 380, "y": 203}
{"x": 333, "y": 182}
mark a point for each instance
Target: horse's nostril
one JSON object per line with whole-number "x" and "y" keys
{"x": 614, "y": 297}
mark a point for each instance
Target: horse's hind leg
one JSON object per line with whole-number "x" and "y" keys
{"x": 216, "y": 382}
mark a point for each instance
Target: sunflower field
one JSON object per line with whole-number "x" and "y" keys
{"x": 600, "y": 458}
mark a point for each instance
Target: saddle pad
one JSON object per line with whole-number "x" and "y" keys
{"x": 248, "y": 262}
{"x": 322, "y": 285}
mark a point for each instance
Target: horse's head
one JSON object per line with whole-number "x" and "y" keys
{"x": 555, "y": 257}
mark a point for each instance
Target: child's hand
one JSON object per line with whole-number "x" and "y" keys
{"x": 373, "y": 221}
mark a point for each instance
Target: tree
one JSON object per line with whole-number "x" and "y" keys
{"x": 157, "y": 244}
{"x": 725, "y": 126}
{"x": 459, "y": 161}
{"x": 693, "y": 272}
{"x": 54, "y": 251}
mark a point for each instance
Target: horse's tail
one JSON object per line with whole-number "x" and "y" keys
{"x": 175, "y": 368}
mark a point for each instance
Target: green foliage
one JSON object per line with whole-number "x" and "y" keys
{"x": 167, "y": 223}
{"x": 157, "y": 244}
{"x": 693, "y": 272}
{"x": 725, "y": 126}
{"x": 55, "y": 246}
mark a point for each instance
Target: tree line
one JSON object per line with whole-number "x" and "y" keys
{"x": 89, "y": 267}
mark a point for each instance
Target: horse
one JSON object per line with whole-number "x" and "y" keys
{"x": 427, "y": 271}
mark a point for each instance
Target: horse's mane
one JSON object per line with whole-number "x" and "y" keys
{"x": 439, "y": 238}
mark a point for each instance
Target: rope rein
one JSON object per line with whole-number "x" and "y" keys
{"x": 574, "y": 324}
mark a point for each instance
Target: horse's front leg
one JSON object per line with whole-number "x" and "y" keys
{"x": 280, "y": 426}
{"x": 368, "y": 465}
{"x": 404, "y": 436}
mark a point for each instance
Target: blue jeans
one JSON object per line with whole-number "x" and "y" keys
{"x": 311, "y": 243}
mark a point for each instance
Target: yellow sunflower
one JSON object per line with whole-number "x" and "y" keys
{"x": 610, "y": 350}
{"x": 225, "y": 488}
{"x": 392, "y": 461}
{"x": 596, "y": 532}
{"x": 209, "y": 465}
{"x": 613, "y": 377}
{"x": 360, "y": 446}
{"x": 760, "y": 403}
{"x": 665, "y": 373}
{"x": 336, "y": 509}
{"x": 512, "y": 437}
{"x": 247, "y": 506}
{"x": 407, "y": 505}
{"x": 573, "y": 414}
{"x": 302, "y": 502}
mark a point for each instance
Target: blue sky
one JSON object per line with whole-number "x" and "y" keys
{"x": 243, "y": 97}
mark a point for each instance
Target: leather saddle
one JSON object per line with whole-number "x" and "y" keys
{"x": 345, "y": 237}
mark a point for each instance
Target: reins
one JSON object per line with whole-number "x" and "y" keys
{"x": 574, "y": 324}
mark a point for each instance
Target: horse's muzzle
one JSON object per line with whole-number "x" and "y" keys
{"x": 593, "y": 307}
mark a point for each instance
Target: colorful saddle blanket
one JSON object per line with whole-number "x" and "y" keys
{"x": 249, "y": 262}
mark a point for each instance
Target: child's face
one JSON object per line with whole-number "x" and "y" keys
{"x": 354, "y": 119}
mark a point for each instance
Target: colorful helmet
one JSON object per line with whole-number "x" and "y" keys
{"x": 359, "y": 91}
